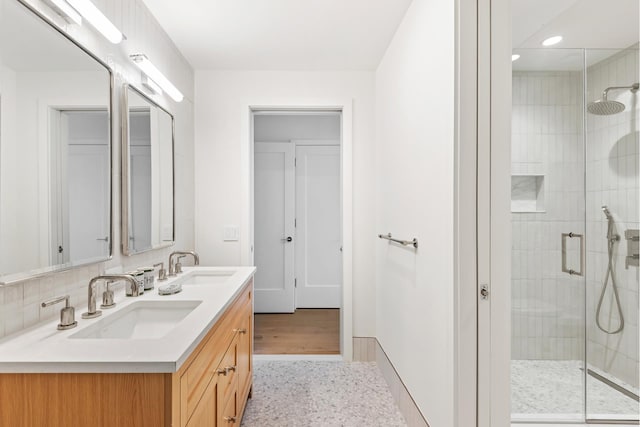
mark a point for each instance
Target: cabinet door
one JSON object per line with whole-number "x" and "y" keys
{"x": 228, "y": 417}
{"x": 245, "y": 342}
{"x": 204, "y": 415}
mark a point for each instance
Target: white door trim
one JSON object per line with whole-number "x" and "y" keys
{"x": 465, "y": 226}
{"x": 494, "y": 238}
{"x": 346, "y": 157}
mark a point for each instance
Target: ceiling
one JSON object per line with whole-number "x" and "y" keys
{"x": 602, "y": 26}
{"x": 281, "y": 34}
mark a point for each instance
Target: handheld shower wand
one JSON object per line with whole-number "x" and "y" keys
{"x": 612, "y": 238}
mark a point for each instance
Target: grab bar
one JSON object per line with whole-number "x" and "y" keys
{"x": 388, "y": 236}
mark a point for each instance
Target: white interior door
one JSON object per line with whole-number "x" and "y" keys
{"x": 318, "y": 231}
{"x": 88, "y": 201}
{"x": 86, "y": 174}
{"x": 140, "y": 162}
{"x": 274, "y": 193}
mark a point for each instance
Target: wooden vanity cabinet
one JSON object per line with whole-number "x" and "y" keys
{"x": 218, "y": 374}
{"x": 210, "y": 389}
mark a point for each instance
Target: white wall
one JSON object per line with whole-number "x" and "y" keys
{"x": 19, "y": 303}
{"x": 222, "y": 166}
{"x": 414, "y": 195}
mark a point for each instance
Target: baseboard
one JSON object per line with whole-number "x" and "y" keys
{"x": 368, "y": 349}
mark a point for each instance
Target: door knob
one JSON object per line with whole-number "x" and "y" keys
{"x": 288, "y": 239}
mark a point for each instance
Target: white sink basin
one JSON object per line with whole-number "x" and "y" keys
{"x": 207, "y": 277}
{"x": 140, "y": 320}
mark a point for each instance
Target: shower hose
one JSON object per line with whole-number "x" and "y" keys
{"x": 611, "y": 240}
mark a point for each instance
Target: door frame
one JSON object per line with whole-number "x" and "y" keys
{"x": 482, "y": 243}
{"x": 289, "y": 106}
{"x": 493, "y": 211}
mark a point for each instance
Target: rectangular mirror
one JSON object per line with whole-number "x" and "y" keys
{"x": 55, "y": 149}
{"x": 147, "y": 178}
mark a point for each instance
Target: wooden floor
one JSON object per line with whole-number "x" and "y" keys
{"x": 307, "y": 331}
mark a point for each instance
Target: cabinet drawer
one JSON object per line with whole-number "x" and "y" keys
{"x": 227, "y": 373}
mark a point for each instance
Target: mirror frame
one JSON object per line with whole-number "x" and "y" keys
{"x": 126, "y": 179}
{"x": 12, "y": 278}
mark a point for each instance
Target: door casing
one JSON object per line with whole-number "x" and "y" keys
{"x": 296, "y": 105}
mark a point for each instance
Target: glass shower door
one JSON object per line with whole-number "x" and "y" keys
{"x": 548, "y": 229}
{"x": 612, "y": 147}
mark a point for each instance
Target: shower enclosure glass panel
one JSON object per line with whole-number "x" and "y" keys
{"x": 547, "y": 205}
{"x": 575, "y": 215}
{"x": 612, "y": 181}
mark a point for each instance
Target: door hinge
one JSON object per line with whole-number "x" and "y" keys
{"x": 295, "y": 222}
{"x": 484, "y": 292}
{"x": 295, "y": 283}
{"x": 295, "y": 162}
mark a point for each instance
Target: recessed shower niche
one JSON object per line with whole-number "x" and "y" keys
{"x": 527, "y": 193}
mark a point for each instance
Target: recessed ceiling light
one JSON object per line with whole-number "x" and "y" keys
{"x": 514, "y": 57}
{"x": 552, "y": 40}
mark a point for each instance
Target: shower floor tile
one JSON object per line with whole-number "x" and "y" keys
{"x": 550, "y": 388}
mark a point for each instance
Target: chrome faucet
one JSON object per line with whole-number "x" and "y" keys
{"x": 132, "y": 290}
{"x": 172, "y": 267}
{"x": 67, "y": 314}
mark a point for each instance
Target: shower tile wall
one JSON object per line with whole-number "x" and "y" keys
{"x": 612, "y": 179}
{"x": 547, "y": 305}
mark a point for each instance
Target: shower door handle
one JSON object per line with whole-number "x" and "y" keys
{"x": 564, "y": 254}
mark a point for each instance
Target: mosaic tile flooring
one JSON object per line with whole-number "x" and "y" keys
{"x": 550, "y": 387}
{"x": 304, "y": 393}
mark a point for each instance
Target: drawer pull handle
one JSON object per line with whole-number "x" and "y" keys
{"x": 230, "y": 420}
{"x": 240, "y": 331}
{"x": 225, "y": 371}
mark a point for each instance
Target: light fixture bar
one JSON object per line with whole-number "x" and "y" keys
{"x": 96, "y": 18}
{"x": 150, "y": 84}
{"x": 154, "y": 74}
{"x": 66, "y": 11}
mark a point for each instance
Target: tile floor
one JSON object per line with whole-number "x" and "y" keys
{"x": 554, "y": 389}
{"x": 306, "y": 393}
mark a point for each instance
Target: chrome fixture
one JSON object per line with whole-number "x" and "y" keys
{"x": 605, "y": 107}
{"x": 178, "y": 266}
{"x": 67, "y": 313}
{"x": 107, "y": 297}
{"x": 612, "y": 238}
{"x": 388, "y": 236}
{"x": 633, "y": 248}
{"x": 162, "y": 273}
{"x": 132, "y": 290}
{"x": 566, "y": 269}
{"x": 156, "y": 75}
{"x": 172, "y": 267}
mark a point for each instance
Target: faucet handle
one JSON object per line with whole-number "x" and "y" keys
{"x": 162, "y": 273}
{"x": 178, "y": 267}
{"x": 67, "y": 313}
{"x": 107, "y": 296}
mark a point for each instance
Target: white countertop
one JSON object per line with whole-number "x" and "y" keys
{"x": 45, "y": 349}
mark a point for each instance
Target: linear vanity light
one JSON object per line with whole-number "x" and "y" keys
{"x": 150, "y": 84}
{"x": 154, "y": 74}
{"x": 96, "y": 18}
{"x": 66, "y": 11}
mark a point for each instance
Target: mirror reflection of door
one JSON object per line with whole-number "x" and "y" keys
{"x": 80, "y": 185}
{"x": 141, "y": 179}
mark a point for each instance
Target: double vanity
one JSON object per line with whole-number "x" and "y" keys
{"x": 176, "y": 360}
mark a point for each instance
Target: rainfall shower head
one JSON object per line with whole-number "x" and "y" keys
{"x": 605, "y": 107}
{"x": 606, "y": 212}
